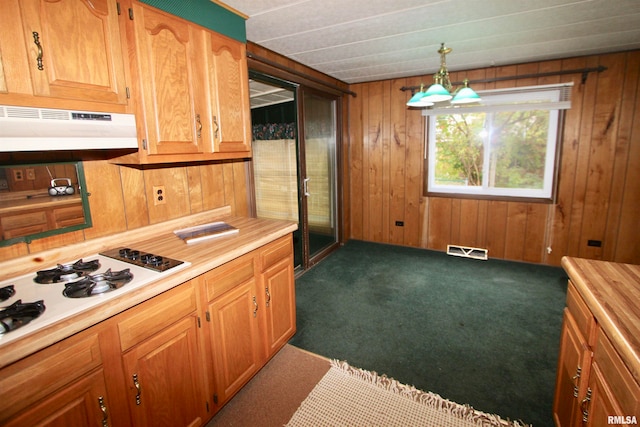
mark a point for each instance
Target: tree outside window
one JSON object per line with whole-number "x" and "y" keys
{"x": 508, "y": 150}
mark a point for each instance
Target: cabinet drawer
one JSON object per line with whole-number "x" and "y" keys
{"x": 275, "y": 251}
{"x": 24, "y": 220}
{"x": 23, "y": 224}
{"x": 41, "y": 374}
{"x": 581, "y": 314}
{"x": 24, "y": 231}
{"x": 228, "y": 276}
{"x": 71, "y": 215}
{"x": 150, "y": 317}
{"x": 618, "y": 377}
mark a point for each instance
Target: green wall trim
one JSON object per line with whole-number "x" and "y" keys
{"x": 206, "y": 14}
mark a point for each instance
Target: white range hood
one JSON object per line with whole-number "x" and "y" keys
{"x": 41, "y": 129}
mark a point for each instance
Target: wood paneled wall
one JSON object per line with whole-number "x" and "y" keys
{"x": 599, "y": 185}
{"x": 122, "y": 197}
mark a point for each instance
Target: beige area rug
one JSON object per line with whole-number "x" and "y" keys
{"x": 348, "y": 396}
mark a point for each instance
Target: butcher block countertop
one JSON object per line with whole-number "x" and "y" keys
{"x": 159, "y": 239}
{"x": 612, "y": 293}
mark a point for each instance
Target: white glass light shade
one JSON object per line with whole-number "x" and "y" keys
{"x": 414, "y": 99}
{"x": 437, "y": 93}
{"x": 419, "y": 101}
{"x": 466, "y": 95}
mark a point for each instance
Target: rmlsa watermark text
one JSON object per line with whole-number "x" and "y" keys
{"x": 622, "y": 419}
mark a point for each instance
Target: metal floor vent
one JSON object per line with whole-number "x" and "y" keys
{"x": 467, "y": 252}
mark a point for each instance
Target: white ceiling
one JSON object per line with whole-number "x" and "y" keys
{"x": 366, "y": 40}
{"x": 263, "y": 95}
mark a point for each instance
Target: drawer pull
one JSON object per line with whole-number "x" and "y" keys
{"x": 575, "y": 382}
{"x": 199, "y": 126}
{"x": 584, "y": 404}
{"x": 36, "y": 40}
{"x": 266, "y": 290}
{"x": 103, "y": 408}
{"x": 137, "y": 386}
{"x": 255, "y": 307}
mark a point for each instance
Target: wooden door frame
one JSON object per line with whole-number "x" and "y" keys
{"x": 289, "y": 81}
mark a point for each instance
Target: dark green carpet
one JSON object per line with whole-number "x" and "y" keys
{"x": 485, "y": 333}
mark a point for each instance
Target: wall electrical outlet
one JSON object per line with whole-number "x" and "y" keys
{"x": 18, "y": 175}
{"x": 159, "y": 195}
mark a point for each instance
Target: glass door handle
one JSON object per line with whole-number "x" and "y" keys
{"x": 305, "y": 186}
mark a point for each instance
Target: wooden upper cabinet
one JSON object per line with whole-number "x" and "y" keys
{"x": 74, "y": 49}
{"x": 230, "y": 95}
{"x": 172, "y": 78}
{"x": 3, "y": 80}
{"x": 192, "y": 91}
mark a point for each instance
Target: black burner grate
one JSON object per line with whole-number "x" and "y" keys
{"x": 19, "y": 314}
{"x": 97, "y": 284}
{"x": 66, "y": 272}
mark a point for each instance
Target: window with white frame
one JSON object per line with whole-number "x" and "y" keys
{"x": 507, "y": 147}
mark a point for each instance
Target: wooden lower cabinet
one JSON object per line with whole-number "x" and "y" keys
{"x": 165, "y": 378}
{"x": 612, "y": 391}
{"x": 592, "y": 384}
{"x": 161, "y": 347}
{"x": 61, "y": 385}
{"x": 83, "y": 403}
{"x": 40, "y": 220}
{"x": 173, "y": 360}
{"x": 280, "y": 304}
{"x": 235, "y": 340}
{"x": 252, "y": 314}
{"x": 23, "y": 224}
{"x": 573, "y": 373}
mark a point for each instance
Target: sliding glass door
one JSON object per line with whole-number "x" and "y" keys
{"x": 294, "y": 163}
{"x": 319, "y": 181}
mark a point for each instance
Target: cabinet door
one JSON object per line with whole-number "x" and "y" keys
{"x": 235, "y": 339}
{"x": 164, "y": 377}
{"x": 4, "y": 87}
{"x": 600, "y": 403}
{"x": 31, "y": 381}
{"x": 280, "y": 304}
{"x": 74, "y": 49}
{"x": 613, "y": 391}
{"x": 229, "y": 95}
{"x": 83, "y": 403}
{"x": 573, "y": 373}
{"x": 172, "y": 79}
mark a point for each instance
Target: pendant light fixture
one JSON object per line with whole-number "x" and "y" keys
{"x": 440, "y": 90}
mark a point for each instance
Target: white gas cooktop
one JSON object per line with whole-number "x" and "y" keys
{"x": 59, "y": 307}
